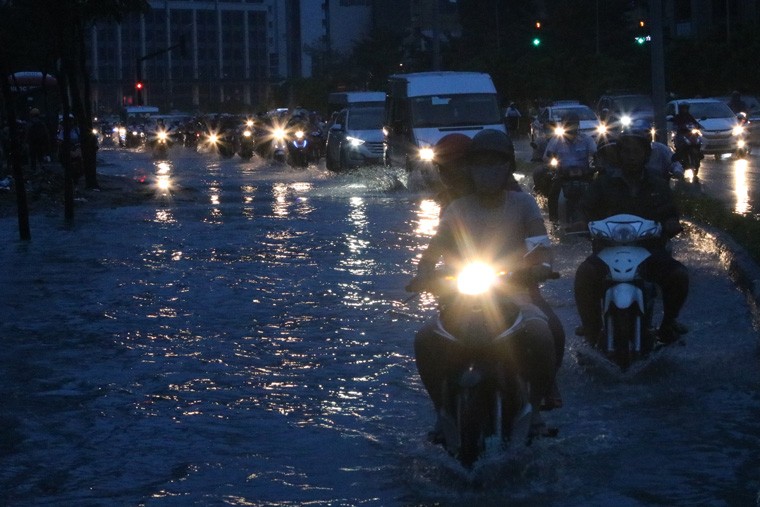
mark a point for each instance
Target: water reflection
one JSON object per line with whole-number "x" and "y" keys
{"x": 163, "y": 178}
{"x": 427, "y": 217}
{"x": 287, "y": 195}
{"x": 248, "y": 193}
{"x": 741, "y": 187}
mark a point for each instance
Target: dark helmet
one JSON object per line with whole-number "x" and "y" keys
{"x": 639, "y": 127}
{"x": 683, "y": 106}
{"x": 491, "y": 161}
{"x": 451, "y": 149}
{"x": 492, "y": 141}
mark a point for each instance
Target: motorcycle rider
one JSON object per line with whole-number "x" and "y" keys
{"x": 662, "y": 161}
{"x": 633, "y": 190}
{"x": 493, "y": 219}
{"x": 736, "y": 103}
{"x": 573, "y": 149}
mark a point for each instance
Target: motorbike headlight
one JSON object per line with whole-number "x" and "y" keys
{"x": 624, "y": 233}
{"x": 601, "y": 129}
{"x": 122, "y": 131}
{"x": 554, "y": 163}
{"x": 625, "y": 121}
{"x": 162, "y": 136}
{"x": 135, "y": 133}
{"x": 299, "y": 134}
{"x": 737, "y": 130}
{"x": 355, "y": 142}
{"x": 559, "y": 131}
{"x": 278, "y": 134}
{"x": 426, "y": 154}
{"x": 476, "y": 278}
{"x": 696, "y": 132}
{"x": 95, "y": 131}
{"x": 249, "y": 123}
{"x": 247, "y": 133}
{"x": 213, "y": 138}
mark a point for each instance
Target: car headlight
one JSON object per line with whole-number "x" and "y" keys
{"x": 559, "y": 131}
{"x": 426, "y": 154}
{"x": 738, "y": 130}
{"x": 626, "y": 120}
{"x": 476, "y": 278}
{"x": 354, "y": 142}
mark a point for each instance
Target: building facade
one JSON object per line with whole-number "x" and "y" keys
{"x": 217, "y": 54}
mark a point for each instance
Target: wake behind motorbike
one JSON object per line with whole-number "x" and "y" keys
{"x": 628, "y": 301}
{"x": 486, "y": 402}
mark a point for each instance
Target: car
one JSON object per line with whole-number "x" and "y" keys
{"x": 355, "y": 138}
{"x": 618, "y": 111}
{"x": 721, "y": 130}
{"x": 550, "y": 117}
{"x": 543, "y": 126}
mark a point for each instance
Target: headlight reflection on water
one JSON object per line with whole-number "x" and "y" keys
{"x": 741, "y": 187}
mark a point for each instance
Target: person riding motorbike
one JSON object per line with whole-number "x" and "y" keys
{"x": 662, "y": 161}
{"x": 573, "y": 149}
{"x": 736, "y": 103}
{"x": 494, "y": 221}
{"x": 632, "y": 190}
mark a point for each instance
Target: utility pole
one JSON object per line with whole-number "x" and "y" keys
{"x": 657, "y": 49}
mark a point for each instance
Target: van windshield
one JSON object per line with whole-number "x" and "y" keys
{"x": 455, "y": 110}
{"x": 366, "y": 118}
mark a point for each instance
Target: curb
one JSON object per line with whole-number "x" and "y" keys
{"x": 741, "y": 267}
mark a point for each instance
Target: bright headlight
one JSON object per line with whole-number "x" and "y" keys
{"x": 162, "y": 136}
{"x": 247, "y": 133}
{"x": 476, "y": 278}
{"x": 625, "y": 120}
{"x": 426, "y": 154}
{"x": 299, "y": 134}
{"x": 213, "y": 138}
{"x": 737, "y": 130}
{"x": 559, "y": 131}
{"x": 355, "y": 142}
{"x": 601, "y": 129}
{"x": 554, "y": 162}
{"x": 278, "y": 133}
{"x": 624, "y": 233}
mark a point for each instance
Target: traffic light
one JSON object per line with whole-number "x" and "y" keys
{"x": 138, "y": 93}
{"x": 641, "y": 33}
{"x": 536, "y": 41}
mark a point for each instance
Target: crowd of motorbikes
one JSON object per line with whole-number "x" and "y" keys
{"x": 289, "y": 136}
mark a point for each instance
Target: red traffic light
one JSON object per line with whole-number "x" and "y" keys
{"x": 139, "y": 85}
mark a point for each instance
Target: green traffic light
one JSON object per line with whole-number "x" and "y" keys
{"x": 536, "y": 42}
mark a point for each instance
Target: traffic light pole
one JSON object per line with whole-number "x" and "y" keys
{"x": 139, "y": 81}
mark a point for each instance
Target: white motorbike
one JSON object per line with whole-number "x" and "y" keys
{"x": 628, "y": 301}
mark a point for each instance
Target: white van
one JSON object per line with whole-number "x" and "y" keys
{"x": 421, "y": 108}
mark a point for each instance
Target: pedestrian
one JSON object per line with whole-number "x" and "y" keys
{"x": 513, "y": 120}
{"x": 37, "y": 139}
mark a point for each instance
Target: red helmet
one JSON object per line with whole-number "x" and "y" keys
{"x": 451, "y": 148}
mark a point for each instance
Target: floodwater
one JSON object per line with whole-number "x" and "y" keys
{"x": 249, "y": 346}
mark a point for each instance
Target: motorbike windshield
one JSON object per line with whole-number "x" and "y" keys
{"x": 455, "y": 110}
{"x": 366, "y": 118}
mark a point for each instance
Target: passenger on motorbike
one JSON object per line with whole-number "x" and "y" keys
{"x": 632, "y": 190}
{"x": 574, "y": 150}
{"x": 494, "y": 221}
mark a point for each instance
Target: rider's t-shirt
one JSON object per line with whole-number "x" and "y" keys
{"x": 468, "y": 230}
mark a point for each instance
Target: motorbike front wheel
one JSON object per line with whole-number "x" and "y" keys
{"x": 471, "y": 416}
{"x": 625, "y": 324}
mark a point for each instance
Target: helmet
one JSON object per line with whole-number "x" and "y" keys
{"x": 34, "y": 112}
{"x": 639, "y": 127}
{"x": 451, "y": 148}
{"x": 492, "y": 141}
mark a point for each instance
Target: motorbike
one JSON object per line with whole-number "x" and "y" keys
{"x": 299, "y": 149}
{"x": 160, "y": 144}
{"x": 486, "y": 402}
{"x": 628, "y": 301}
{"x": 246, "y": 142}
{"x": 574, "y": 183}
{"x": 742, "y": 146}
{"x": 278, "y": 146}
{"x": 688, "y": 147}
{"x": 134, "y": 136}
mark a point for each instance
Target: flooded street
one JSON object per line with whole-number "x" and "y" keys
{"x": 241, "y": 341}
